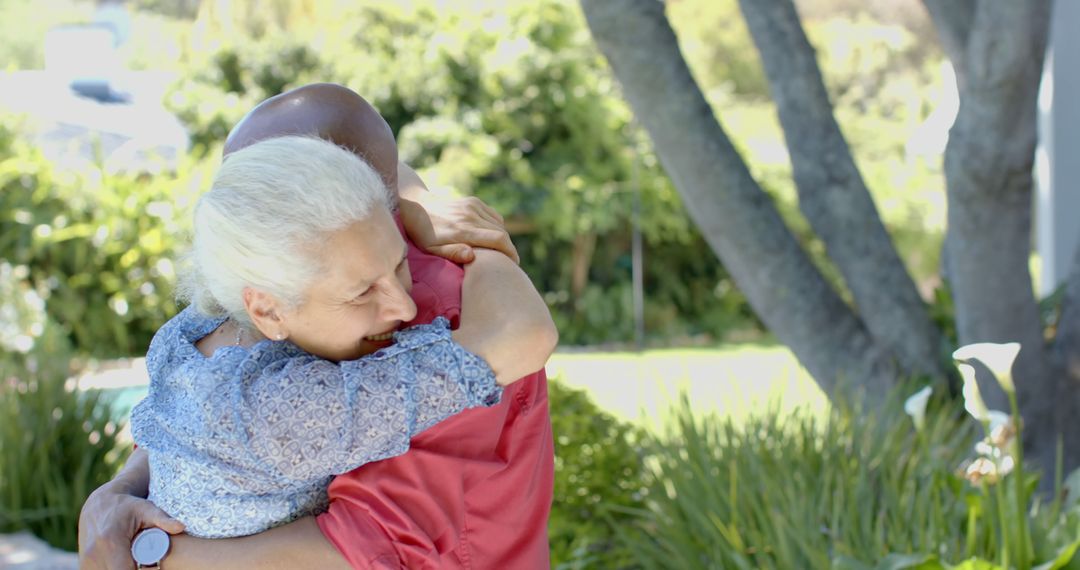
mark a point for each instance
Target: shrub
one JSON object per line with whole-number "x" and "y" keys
{"x": 598, "y": 466}
{"x": 56, "y": 444}
{"x": 96, "y": 245}
{"x": 522, "y": 114}
{"x": 851, "y": 491}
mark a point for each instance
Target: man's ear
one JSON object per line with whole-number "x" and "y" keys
{"x": 265, "y": 311}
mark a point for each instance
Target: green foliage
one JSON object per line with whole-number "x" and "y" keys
{"x": 56, "y": 444}
{"x": 27, "y": 22}
{"x": 218, "y": 91}
{"x": 98, "y": 245}
{"x": 598, "y": 468}
{"x": 719, "y": 47}
{"x": 883, "y": 73}
{"x": 852, "y": 491}
{"x": 512, "y": 104}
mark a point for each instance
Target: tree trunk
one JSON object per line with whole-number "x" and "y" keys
{"x": 1066, "y": 391}
{"x": 998, "y": 50}
{"x": 581, "y": 261}
{"x": 1068, "y": 330}
{"x": 734, "y": 214}
{"x": 833, "y": 196}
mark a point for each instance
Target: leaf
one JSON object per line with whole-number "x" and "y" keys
{"x": 1072, "y": 488}
{"x": 910, "y": 562}
{"x": 844, "y": 562}
{"x": 976, "y": 564}
{"x": 1064, "y": 556}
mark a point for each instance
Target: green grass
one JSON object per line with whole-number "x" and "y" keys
{"x": 749, "y": 466}
{"x": 732, "y": 382}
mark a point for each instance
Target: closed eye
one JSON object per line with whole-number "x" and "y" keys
{"x": 397, "y": 270}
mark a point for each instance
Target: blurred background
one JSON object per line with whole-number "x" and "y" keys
{"x": 112, "y": 119}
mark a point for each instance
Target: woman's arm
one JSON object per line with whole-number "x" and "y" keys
{"x": 503, "y": 319}
{"x": 118, "y": 510}
{"x": 380, "y": 401}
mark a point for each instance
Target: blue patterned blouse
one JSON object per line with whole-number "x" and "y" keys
{"x": 249, "y": 438}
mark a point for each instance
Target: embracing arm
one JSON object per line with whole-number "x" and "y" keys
{"x": 503, "y": 319}
{"x": 115, "y": 512}
{"x": 118, "y": 510}
{"x": 299, "y": 544}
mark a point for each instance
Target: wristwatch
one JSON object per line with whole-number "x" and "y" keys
{"x": 150, "y": 547}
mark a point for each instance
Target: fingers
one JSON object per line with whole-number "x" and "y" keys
{"x": 485, "y": 211}
{"x": 458, "y": 252}
{"x": 487, "y": 238}
{"x": 509, "y": 250}
{"x": 152, "y": 516}
{"x": 490, "y": 220}
{"x": 493, "y": 213}
{"x": 477, "y": 214}
{"x": 470, "y": 209}
{"x": 448, "y": 228}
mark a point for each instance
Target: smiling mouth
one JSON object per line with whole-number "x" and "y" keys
{"x": 380, "y": 337}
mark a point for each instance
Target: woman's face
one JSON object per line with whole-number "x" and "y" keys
{"x": 361, "y": 297}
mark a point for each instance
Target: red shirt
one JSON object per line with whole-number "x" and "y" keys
{"x": 472, "y": 492}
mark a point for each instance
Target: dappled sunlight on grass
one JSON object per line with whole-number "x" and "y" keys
{"x": 734, "y": 381}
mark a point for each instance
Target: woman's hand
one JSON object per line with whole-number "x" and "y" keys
{"x": 114, "y": 514}
{"x": 450, "y": 227}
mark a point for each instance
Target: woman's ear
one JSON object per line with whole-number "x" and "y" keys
{"x": 265, "y": 312}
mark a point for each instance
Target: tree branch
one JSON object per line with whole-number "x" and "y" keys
{"x": 737, "y": 218}
{"x": 833, "y": 196}
{"x": 952, "y": 19}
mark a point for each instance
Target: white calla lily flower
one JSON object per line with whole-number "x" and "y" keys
{"x": 998, "y": 419}
{"x": 1006, "y": 466}
{"x": 973, "y": 401}
{"x": 999, "y": 358}
{"x": 986, "y": 449}
{"x": 915, "y": 406}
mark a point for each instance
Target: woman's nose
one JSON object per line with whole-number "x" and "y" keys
{"x": 399, "y": 305}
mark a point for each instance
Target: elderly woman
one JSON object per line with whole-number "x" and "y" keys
{"x": 474, "y": 491}
{"x": 258, "y": 392}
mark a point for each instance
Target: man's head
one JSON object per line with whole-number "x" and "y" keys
{"x": 295, "y": 238}
{"x": 328, "y": 111}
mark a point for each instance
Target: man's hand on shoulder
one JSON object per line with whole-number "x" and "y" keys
{"x": 451, "y": 227}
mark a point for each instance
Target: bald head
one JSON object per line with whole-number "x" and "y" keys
{"x": 329, "y": 111}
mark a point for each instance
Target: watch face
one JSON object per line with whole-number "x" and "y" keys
{"x": 150, "y": 546}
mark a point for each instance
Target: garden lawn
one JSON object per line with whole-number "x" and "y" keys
{"x": 733, "y": 381}
{"x": 639, "y": 387}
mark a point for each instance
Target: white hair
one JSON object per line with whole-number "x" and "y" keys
{"x": 261, "y": 225}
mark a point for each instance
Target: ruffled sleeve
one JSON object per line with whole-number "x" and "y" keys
{"x": 305, "y": 418}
